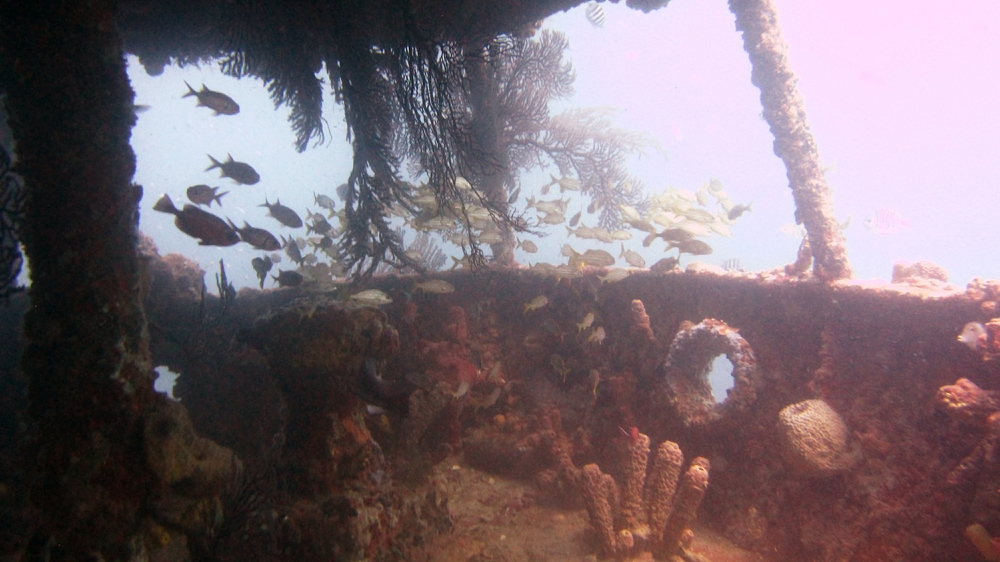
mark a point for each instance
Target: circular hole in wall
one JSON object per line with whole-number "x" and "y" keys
{"x": 720, "y": 377}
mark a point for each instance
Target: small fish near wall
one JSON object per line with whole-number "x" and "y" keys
{"x": 415, "y": 374}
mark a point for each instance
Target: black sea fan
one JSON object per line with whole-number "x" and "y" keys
{"x": 12, "y": 197}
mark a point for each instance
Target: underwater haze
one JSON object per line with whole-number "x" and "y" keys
{"x": 902, "y": 99}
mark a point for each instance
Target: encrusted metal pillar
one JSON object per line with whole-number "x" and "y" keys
{"x": 793, "y": 142}
{"x": 87, "y": 359}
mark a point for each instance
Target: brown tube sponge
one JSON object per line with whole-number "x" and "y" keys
{"x": 595, "y": 498}
{"x": 633, "y": 516}
{"x": 689, "y": 494}
{"x": 661, "y": 486}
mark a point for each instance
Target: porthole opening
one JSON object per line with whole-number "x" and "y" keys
{"x": 720, "y": 377}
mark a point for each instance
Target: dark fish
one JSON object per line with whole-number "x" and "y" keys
{"x": 201, "y": 194}
{"x": 292, "y": 249}
{"x": 385, "y": 393}
{"x": 666, "y": 264}
{"x": 595, "y": 14}
{"x": 693, "y": 247}
{"x": 342, "y": 191}
{"x": 576, "y": 219}
{"x": 282, "y": 214}
{"x": 257, "y": 237}
{"x": 737, "y": 211}
{"x": 240, "y": 172}
{"x": 670, "y": 235}
{"x": 208, "y": 228}
{"x": 513, "y": 196}
{"x": 217, "y": 101}
{"x": 262, "y": 266}
{"x": 324, "y": 243}
{"x": 319, "y": 226}
{"x": 288, "y": 278}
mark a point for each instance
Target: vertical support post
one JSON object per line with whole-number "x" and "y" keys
{"x": 785, "y": 112}
{"x": 87, "y": 357}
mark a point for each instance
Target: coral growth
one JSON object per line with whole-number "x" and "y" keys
{"x": 814, "y": 438}
{"x": 651, "y": 511}
{"x": 921, "y": 273}
{"x": 964, "y": 400}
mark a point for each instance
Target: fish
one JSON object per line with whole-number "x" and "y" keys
{"x": 629, "y": 213}
{"x": 437, "y": 286}
{"x": 437, "y": 223}
{"x": 732, "y": 264}
{"x": 320, "y": 226}
{"x": 288, "y": 278}
{"x": 971, "y": 334}
{"x": 699, "y": 215}
{"x": 595, "y": 379}
{"x": 621, "y": 235}
{"x": 325, "y": 202}
{"x": 582, "y": 231}
{"x": 586, "y": 322}
{"x": 595, "y": 14}
{"x": 693, "y": 247}
{"x": 737, "y": 211}
{"x": 846, "y": 224}
{"x": 527, "y": 246}
{"x": 240, "y": 172}
{"x": 208, "y": 228}
{"x": 559, "y": 365}
{"x": 552, "y": 218}
{"x": 490, "y": 237}
{"x": 663, "y": 265}
{"x": 292, "y": 249}
{"x": 670, "y": 235}
{"x": 567, "y": 271}
{"x": 371, "y": 297}
{"x": 632, "y": 257}
{"x": 597, "y": 258}
{"x": 552, "y": 327}
{"x": 597, "y": 335}
{"x": 613, "y": 276}
{"x": 257, "y": 237}
{"x": 388, "y": 394}
{"x": 551, "y": 206}
{"x": 536, "y": 303}
{"x": 513, "y": 196}
{"x": 885, "y": 221}
{"x": 262, "y": 266}
{"x": 542, "y": 268}
{"x": 702, "y": 196}
{"x": 216, "y": 101}
{"x": 203, "y": 195}
{"x": 576, "y": 219}
{"x": 565, "y": 183}
{"x": 342, "y": 191}
{"x": 282, "y": 214}
{"x": 642, "y": 225}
